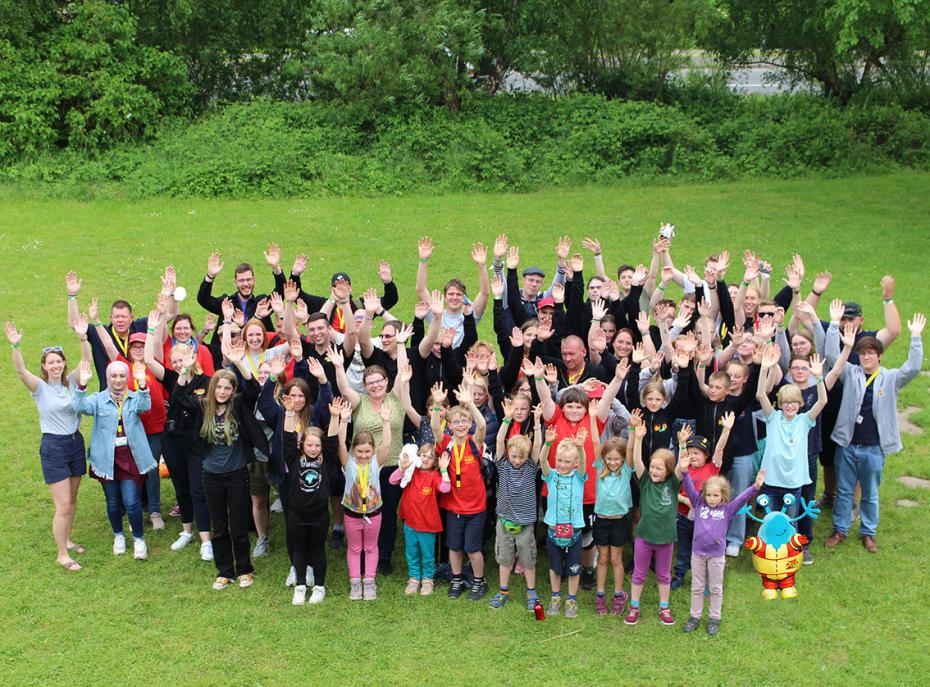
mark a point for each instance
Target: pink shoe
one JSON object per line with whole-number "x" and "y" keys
{"x": 619, "y": 604}
{"x": 632, "y": 616}
{"x": 665, "y": 615}
{"x": 600, "y": 604}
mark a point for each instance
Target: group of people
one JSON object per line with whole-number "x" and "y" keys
{"x": 617, "y": 414}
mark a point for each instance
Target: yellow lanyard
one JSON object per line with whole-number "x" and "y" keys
{"x": 119, "y": 417}
{"x": 573, "y": 378}
{"x": 458, "y": 455}
{"x": 363, "y": 483}
{"x": 339, "y": 323}
{"x": 124, "y": 347}
{"x": 261, "y": 359}
{"x": 872, "y": 378}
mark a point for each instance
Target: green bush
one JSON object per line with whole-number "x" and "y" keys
{"x": 495, "y": 143}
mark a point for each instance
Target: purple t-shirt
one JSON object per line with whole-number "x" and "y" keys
{"x": 710, "y": 524}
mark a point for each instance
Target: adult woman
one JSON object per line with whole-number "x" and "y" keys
{"x": 229, "y": 435}
{"x": 61, "y": 450}
{"x": 255, "y": 337}
{"x": 182, "y": 333}
{"x": 119, "y": 451}
{"x": 366, "y": 417}
{"x": 185, "y": 384}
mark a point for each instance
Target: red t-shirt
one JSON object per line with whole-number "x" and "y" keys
{"x": 467, "y": 495}
{"x": 203, "y": 357}
{"x": 698, "y": 476}
{"x": 565, "y": 430}
{"x": 419, "y": 507}
{"x": 153, "y": 420}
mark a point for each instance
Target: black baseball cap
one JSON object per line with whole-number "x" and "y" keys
{"x": 533, "y": 271}
{"x": 340, "y": 276}
{"x": 851, "y": 309}
{"x": 697, "y": 441}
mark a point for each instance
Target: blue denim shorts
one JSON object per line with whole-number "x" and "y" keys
{"x": 62, "y": 456}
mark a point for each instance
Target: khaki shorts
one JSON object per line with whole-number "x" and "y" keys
{"x": 509, "y": 547}
{"x": 258, "y": 479}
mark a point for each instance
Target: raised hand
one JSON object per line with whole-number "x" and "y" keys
{"x": 551, "y": 434}
{"x": 385, "y": 413}
{"x": 479, "y": 253}
{"x": 728, "y": 419}
{"x": 550, "y": 373}
{"x": 214, "y": 264}
{"x": 599, "y": 340}
{"x": 598, "y": 309}
{"x": 513, "y": 257}
{"x": 684, "y": 434}
{"x": 639, "y": 275}
{"x": 290, "y": 291}
{"x": 443, "y": 461}
{"x": 558, "y": 293}
{"x": 723, "y": 263}
{"x": 710, "y": 273}
{"x": 385, "y": 274}
{"x": 371, "y": 302}
{"x": 683, "y": 461}
{"x": 405, "y": 373}
{"x": 315, "y": 368}
{"x": 273, "y": 256}
{"x": 687, "y": 343}
{"x": 464, "y": 396}
{"x": 12, "y": 335}
{"x": 704, "y": 308}
{"x": 300, "y": 264}
{"x": 404, "y": 333}
{"x": 916, "y": 324}
{"x": 84, "y": 372}
{"x": 161, "y": 303}
{"x": 436, "y": 303}
{"x": 277, "y": 303}
{"x": 528, "y": 368}
{"x": 642, "y": 322}
{"x": 623, "y": 369}
{"x": 822, "y": 282}
{"x": 668, "y": 273}
{"x": 500, "y": 247}
{"x": 334, "y": 355}
{"x": 562, "y": 248}
{"x": 73, "y": 284}
{"x": 592, "y": 245}
{"x": 425, "y": 247}
{"x": 420, "y": 310}
{"x": 92, "y": 311}
{"x": 577, "y": 262}
{"x": 508, "y": 409}
{"x": 887, "y": 286}
{"x": 805, "y": 312}
{"x": 288, "y": 402}
{"x": 209, "y": 323}
{"x": 345, "y": 412}
{"x": 300, "y": 312}
{"x": 297, "y": 351}
{"x": 682, "y": 358}
{"x": 848, "y": 334}
{"x": 169, "y": 281}
{"x": 692, "y": 275}
{"x": 544, "y": 331}
{"x": 705, "y": 354}
{"x": 80, "y": 327}
{"x": 335, "y": 407}
{"x": 792, "y": 278}
{"x": 228, "y": 310}
{"x": 138, "y": 373}
{"x": 497, "y": 287}
{"x": 836, "y": 310}
{"x": 263, "y": 308}
{"x": 770, "y": 356}
{"x": 580, "y": 437}
{"x": 340, "y": 291}
{"x": 438, "y": 393}
{"x": 639, "y": 353}
{"x": 816, "y": 365}
{"x": 448, "y": 336}
{"x": 235, "y": 351}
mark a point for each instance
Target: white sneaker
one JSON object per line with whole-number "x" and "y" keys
{"x": 291, "y": 578}
{"x": 300, "y": 595}
{"x": 276, "y": 506}
{"x": 119, "y": 544}
{"x": 318, "y": 594}
{"x": 261, "y": 547}
{"x": 157, "y": 522}
{"x": 732, "y": 550}
{"x": 139, "y": 550}
{"x": 183, "y": 540}
{"x": 206, "y": 551}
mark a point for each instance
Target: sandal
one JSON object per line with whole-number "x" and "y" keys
{"x": 71, "y": 566}
{"x": 76, "y": 548}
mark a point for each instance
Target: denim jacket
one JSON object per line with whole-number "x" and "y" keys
{"x": 106, "y": 416}
{"x": 885, "y": 400}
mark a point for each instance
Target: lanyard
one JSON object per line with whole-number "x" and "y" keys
{"x": 458, "y": 455}
{"x": 573, "y": 378}
{"x": 339, "y": 323}
{"x": 119, "y": 417}
{"x": 124, "y": 347}
{"x": 363, "y": 483}
{"x": 872, "y": 378}
{"x": 261, "y": 359}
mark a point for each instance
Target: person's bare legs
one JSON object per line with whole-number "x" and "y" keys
{"x": 63, "y": 494}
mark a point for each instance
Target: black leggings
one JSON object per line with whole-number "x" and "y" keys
{"x": 182, "y": 454}
{"x": 230, "y": 506}
{"x": 308, "y": 536}
{"x": 390, "y": 500}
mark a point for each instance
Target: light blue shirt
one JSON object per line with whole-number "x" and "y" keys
{"x": 105, "y": 412}
{"x": 565, "y": 502}
{"x": 614, "y": 497}
{"x": 785, "y": 457}
{"x": 56, "y": 410}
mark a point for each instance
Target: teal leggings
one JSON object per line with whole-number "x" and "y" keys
{"x": 420, "y": 549}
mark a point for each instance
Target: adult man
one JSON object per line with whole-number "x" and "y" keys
{"x": 244, "y": 299}
{"x": 867, "y": 426}
{"x": 522, "y": 304}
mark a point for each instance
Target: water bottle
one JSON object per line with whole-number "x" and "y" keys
{"x": 539, "y": 611}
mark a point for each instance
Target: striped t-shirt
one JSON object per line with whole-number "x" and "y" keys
{"x": 516, "y": 491}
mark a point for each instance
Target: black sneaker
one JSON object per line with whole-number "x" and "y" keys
{"x": 456, "y": 587}
{"x": 587, "y": 578}
{"x": 337, "y": 539}
{"x": 385, "y": 567}
{"x": 478, "y": 590}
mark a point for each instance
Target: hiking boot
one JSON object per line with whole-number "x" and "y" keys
{"x": 555, "y": 606}
{"x": 571, "y": 608}
{"x": 478, "y": 590}
{"x": 692, "y": 624}
{"x": 835, "y": 540}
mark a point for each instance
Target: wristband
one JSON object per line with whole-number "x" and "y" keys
{"x": 98, "y": 323}
{"x": 597, "y": 255}
{"x": 887, "y": 301}
{"x": 712, "y": 288}
{"x": 745, "y": 283}
{"x": 437, "y": 408}
{"x": 150, "y": 330}
{"x": 820, "y": 380}
{"x": 505, "y": 421}
{"x": 424, "y": 259}
{"x": 15, "y": 346}
{"x": 444, "y": 472}
{"x": 381, "y": 314}
{"x": 596, "y": 319}
{"x": 72, "y": 297}
{"x": 660, "y": 287}
{"x": 539, "y": 379}
{"x": 548, "y": 443}
{"x": 817, "y": 294}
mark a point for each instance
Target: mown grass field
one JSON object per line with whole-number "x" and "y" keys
{"x": 860, "y": 618}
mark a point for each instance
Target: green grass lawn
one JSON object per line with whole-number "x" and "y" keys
{"x": 159, "y": 622}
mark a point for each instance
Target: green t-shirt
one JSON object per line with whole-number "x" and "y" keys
{"x": 658, "y": 504}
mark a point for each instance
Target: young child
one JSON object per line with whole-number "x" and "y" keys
{"x": 517, "y": 465}
{"x": 361, "y": 500}
{"x": 565, "y": 511}
{"x": 419, "y": 509}
{"x": 654, "y": 535}
{"x": 713, "y": 511}
{"x": 465, "y": 501}
{"x": 611, "y": 521}
{"x": 700, "y": 469}
{"x": 308, "y": 498}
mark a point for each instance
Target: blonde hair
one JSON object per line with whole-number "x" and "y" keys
{"x": 230, "y": 426}
{"x": 613, "y": 444}
{"x": 667, "y": 457}
{"x": 457, "y": 411}
{"x": 185, "y": 349}
{"x": 568, "y": 446}
{"x": 520, "y": 443}
{"x": 790, "y": 393}
{"x": 656, "y": 386}
{"x": 721, "y": 483}
{"x": 310, "y": 431}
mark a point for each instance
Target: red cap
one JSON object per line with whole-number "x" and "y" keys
{"x": 545, "y": 302}
{"x": 138, "y": 337}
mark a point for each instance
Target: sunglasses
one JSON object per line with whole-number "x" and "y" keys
{"x": 52, "y": 349}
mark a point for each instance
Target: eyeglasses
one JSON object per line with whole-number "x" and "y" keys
{"x": 766, "y": 314}
{"x": 375, "y": 382}
{"x": 52, "y": 349}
